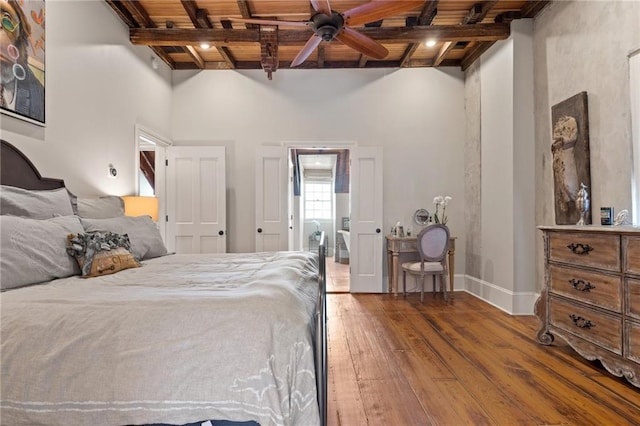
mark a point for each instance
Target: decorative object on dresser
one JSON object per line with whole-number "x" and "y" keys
{"x": 591, "y": 296}
{"x": 622, "y": 218}
{"x": 583, "y": 204}
{"x": 606, "y": 215}
{"x": 421, "y": 217}
{"x": 571, "y": 162}
{"x": 441, "y": 204}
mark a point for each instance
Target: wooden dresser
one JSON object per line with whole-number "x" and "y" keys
{"x": 591, "y": 297}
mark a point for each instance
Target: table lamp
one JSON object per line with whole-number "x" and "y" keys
{"x": 135, "y": 205}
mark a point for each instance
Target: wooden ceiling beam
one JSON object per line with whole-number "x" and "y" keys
{"x": 193, "y": 53}
{"x": 476, "y": 14}
{"x": 245, "y": 12}
{"x": 474, "y": 53}
{"x": 123, "y": 13}
{"x": 139, "y": 13}
{"x": 181, "y": 37}
{"x": 192, "y": 10}
{"x": 427, "y": 15}
{"x": 532, "y": 8}
{"x": 200, "y": 19}
{"x": 135, "y": 16}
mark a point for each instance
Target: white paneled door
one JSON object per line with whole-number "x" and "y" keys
{"x": 196, "y": 199}
{"x": 366, "y": 246}
{"x": 271, "y": 199}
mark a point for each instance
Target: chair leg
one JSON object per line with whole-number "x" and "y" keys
{"x": 434, "y": 285}
{"x": 422, "y": 290}
{"x": 443, "y": 283}
{"x": 404, "y": 283}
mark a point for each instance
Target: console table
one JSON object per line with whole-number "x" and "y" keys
{"x": 397, "y": 245}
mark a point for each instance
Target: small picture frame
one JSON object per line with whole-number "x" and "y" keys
{"x": 606, "y": 215}
{"x": 345, "y": 223}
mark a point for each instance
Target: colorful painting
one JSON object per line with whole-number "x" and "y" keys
{"x": 22, "y": 59}
{"x": 571, "y": 159}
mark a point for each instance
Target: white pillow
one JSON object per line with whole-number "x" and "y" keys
{"x": 34, "y": 204}
{"x": 146, "y": 241}
{"x": 34, "y": 251}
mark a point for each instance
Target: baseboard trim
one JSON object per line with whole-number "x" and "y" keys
{"x": 513, "y": 303}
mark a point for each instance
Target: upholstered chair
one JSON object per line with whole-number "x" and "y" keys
{"x": 433, "y": 245}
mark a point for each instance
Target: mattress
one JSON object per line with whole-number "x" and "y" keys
{"x": 181, "y": 339}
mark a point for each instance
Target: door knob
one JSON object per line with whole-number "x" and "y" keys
{"x": 221, "y": 232}
{"x": 259, "y": 230}
{"x": 378, "y": 230}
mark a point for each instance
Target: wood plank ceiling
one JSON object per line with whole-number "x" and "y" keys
{"x": 176, "y": 30}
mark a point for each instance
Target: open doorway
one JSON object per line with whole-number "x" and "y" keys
{"x": 320, "y": 202}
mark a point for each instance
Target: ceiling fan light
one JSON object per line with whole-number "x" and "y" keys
{"x": 430, "y": 43}
{"x": 205, "y": 45}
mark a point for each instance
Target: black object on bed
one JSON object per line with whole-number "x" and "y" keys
{"x": 18, "y": 171}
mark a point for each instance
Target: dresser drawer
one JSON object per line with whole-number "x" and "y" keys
{"x": 633, "y": 339}
{"x": 590, "y": 287}
{"x": 595, "y": 250}
{"x": 602, "y": 329}
{"x": 631, "y": 250}
{"x": 633, "y": 301}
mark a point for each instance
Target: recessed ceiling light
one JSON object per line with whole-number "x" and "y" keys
{"x": 205, "y": 45}
{"x": 430, "y": 43}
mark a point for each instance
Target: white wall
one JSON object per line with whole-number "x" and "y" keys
{"x": 417, "y": 115}
{"x": 502, "y": 247}
{"x": 584, "y": 46}
{"x": 98, "y": 86}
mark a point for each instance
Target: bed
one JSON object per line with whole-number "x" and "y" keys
{"x": 180, "y": 339}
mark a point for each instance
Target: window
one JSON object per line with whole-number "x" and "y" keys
{"x": 317, "y": 200}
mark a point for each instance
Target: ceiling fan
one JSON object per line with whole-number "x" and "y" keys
{"x": 327, "y": 25}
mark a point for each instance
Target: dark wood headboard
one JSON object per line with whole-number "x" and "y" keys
{"x": 17, "y": 170}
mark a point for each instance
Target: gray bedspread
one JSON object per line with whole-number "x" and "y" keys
{"x": 183, "y": 338}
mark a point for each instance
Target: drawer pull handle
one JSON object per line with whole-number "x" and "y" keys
{"x": 580, "y": 248}
{"x": 581, "y": 285}
{"x": 580, "y": 321}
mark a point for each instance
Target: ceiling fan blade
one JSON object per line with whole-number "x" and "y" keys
{"x": 302, "y": 56}
{"x": 378, "y": 9}
{"x": 269, "y": 22}
{"x": 321, "y": 6}
{"x": 362, "y": 43}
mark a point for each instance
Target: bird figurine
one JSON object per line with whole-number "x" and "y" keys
{"x": 582, "y": 204}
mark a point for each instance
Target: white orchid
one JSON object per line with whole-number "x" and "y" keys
{"x": 444, "y": 202}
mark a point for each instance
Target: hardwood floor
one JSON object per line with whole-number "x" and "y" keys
{"x": 337, "y": 277}
{"x": 395, "y": 361}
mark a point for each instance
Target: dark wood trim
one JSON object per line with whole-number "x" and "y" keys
{"x": 178, "y": 36}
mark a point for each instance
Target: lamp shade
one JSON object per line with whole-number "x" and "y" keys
{"x": 141, "y": 206}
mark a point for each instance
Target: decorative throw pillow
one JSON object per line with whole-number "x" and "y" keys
{"x": 146, "y": 242}
{"x": 101, "y": 253}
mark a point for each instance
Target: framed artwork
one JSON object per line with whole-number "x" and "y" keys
{"x": 22, "y": 59}
{"x": 571, "y": 163}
